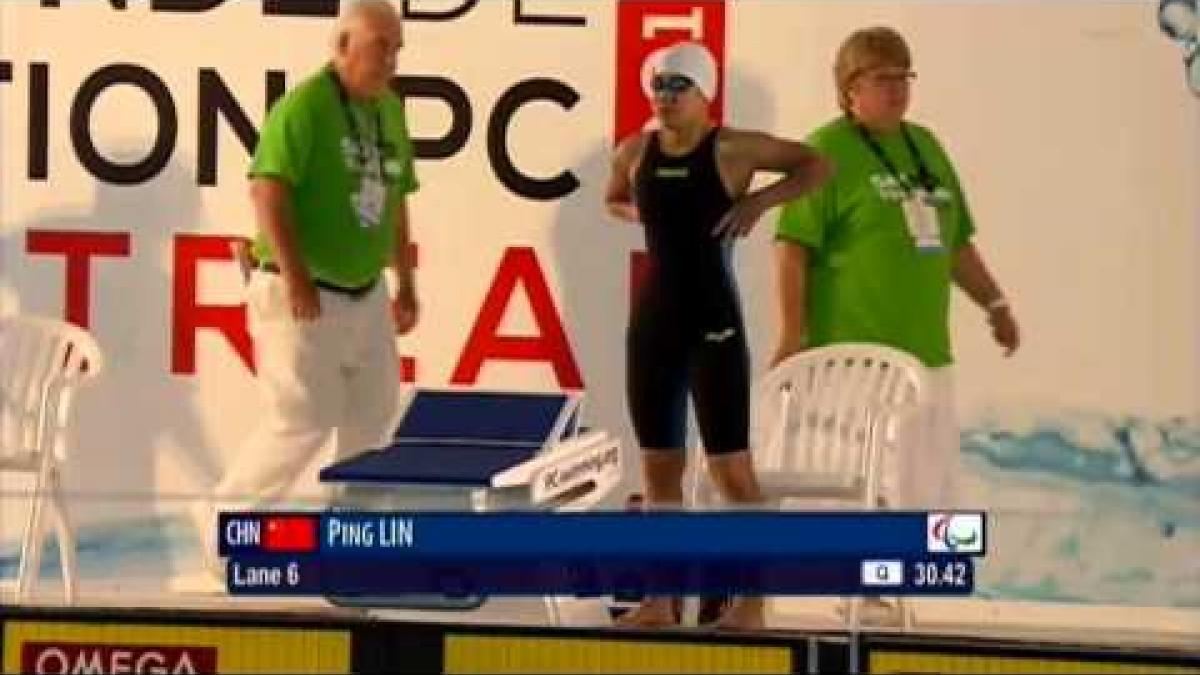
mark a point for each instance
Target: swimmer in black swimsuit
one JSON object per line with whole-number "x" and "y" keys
{"x": 688, "y": 183}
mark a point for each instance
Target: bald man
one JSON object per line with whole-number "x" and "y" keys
{"x": 329, "y": 183}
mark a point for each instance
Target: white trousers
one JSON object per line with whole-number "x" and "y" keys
{"x": 922, "y": 472}
{"x": 335, "y": 378}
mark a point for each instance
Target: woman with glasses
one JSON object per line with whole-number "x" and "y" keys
{"x": 872, "y": 254}
{"x": 688, "y": 184}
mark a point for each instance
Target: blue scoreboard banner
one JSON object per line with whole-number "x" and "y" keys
{"x": 521, "y": 553}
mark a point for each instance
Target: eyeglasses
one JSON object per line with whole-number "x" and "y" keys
{"x": 890, "y": 78}
{"x": 670, "y": 85}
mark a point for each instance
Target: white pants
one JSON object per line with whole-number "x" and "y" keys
{"x": 922, "y": 473}
{"x": 338, "y": 373}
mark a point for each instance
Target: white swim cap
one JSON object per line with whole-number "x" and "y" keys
{"x": 690, "y": 59}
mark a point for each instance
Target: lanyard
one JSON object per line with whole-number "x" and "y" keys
{"x": 352, "y": 123}
{"x": 924, "y": 176}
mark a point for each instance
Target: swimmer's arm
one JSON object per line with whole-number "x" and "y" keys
{"x": 802, "y": 167}
{"x": 618, "y": 198}
{"x": 748, "y": 152}
{"x": 791, "y": 265}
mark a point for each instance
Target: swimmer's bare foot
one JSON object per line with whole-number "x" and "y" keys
{"x": 743, "y": 613}
{"x": 656, "y": 612}
{"x": 711, "y": 608}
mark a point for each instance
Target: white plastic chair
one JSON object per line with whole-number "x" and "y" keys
{"x": 42, "y": 362}
{"x": 823, "y": 422}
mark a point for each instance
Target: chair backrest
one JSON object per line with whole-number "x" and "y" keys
{"x": 828, "y": 414}
{"x": 42, "y": 361}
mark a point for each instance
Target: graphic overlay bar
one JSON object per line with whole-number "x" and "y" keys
{"x": 523, "y": 534}
{"x": 883, "y": 573}
{"x": 956, "y": 533}
{"x": 524, "y": 553}
{"x": 261, "y": 574}
{"x": 268, "y": 533}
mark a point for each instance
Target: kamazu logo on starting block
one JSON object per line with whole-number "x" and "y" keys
{"x": 574, "y": 474}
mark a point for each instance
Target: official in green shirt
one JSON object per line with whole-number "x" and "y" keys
{"x": 329, "y": 182}
{"x": 327, "y": 150}
{"x": 871, "y": 256}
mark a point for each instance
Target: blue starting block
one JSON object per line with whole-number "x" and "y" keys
{"x": 456, "y": 449}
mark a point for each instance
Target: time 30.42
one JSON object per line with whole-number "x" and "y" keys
{"x": 941, "y": 574}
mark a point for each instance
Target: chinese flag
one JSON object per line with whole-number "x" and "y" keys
{"x": 289, "y": 534}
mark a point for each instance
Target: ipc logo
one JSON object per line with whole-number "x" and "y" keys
{"x": 954, "y": 533}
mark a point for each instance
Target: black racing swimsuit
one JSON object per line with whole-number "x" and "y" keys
{"x": 686, "y": 331}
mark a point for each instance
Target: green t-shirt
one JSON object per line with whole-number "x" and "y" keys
{"x": 868, "y": 280}
{"x": 307, "y": 142}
